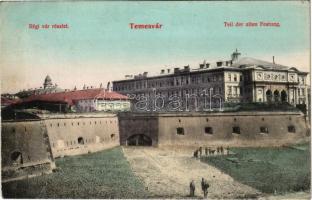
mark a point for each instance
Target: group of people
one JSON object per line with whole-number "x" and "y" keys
{"x": 204, "y": 186}
{"x": 209, "y": 151}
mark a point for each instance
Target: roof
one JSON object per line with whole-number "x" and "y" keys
{"x": 7, "y": 101}
{"x": 248, "y": 62}
{"x": 70, "y": 97}
{"x": 240, "y": 64}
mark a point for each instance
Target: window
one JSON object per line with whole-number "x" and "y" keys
{"x": 208, "y": 130}
{"x": 180, "y": 131}
{"x": 235, "y": 77}
{"x": 112, "y": 136}
{"x": 229, "y": 90}
{"x": 236, "y": 130}
{"x": 179, "y": 120}
{"x": 264, "y": 129}
{"x": 291, "y": 129}
{"x": 80, "y": 140}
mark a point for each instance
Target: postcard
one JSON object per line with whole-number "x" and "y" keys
{"x": 155, "y": 99}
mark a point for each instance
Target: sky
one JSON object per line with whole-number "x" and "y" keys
{"x": 99, "y": 45}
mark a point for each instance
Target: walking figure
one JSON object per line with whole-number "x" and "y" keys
{"x": 206, "y": 186}
{"x": 203, "y": 184}
{"x": 222, "y": 150}
{"x": 228, "y": 150}
{"x": 206, "y": 151}
{"x": 192, "y": 188}
{"x": 200, "y": 151}
{"x": 196, "y": 154}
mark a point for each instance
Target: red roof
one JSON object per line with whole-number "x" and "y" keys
{"x": 7, "y": 101}
{"x": 70, "y": 97}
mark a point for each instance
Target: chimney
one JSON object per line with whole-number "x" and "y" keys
{"x": 162, "y": 71}
{"x": 168, "y": 70}
{"x": 273, "y": 60}
{"x": 201, "y": 66}
{"x": 207, "y": 65}
{"x": 219, "y": 64}
{"x": 176, "y": 70}
{"x": 108, "y": 87}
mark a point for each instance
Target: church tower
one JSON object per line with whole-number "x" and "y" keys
{"x": 235, "y": 55}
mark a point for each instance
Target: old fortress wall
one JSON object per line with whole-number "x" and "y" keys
{"x": 73, "y": 134}
{"x": 233, "y": 129}
{"x": 30, "y": 146}
{"x": 227, "y": 129}
{"x": 25, "y": 149}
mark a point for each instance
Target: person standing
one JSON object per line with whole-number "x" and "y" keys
{"x": 206, "y": 186}
{"x": 200, "y": 151}
{"x": 192, "y": 188}
{"x": 203, "y": 184}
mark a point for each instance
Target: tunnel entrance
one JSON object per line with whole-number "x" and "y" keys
{"x": 139, "y": 140}
{"x": 17, "y": 158}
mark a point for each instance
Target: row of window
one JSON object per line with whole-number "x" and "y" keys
{"x": 183, "y": 92}
{"x": 82, "y": 141}
{"x": 235, "y": 130}
{"x": 84, "y": 123}
{"x": 234, "y": 90}
{"x": 176, "y": 81}
{"x": 235, "y": 77}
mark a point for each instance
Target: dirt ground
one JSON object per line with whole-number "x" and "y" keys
{"x": 168, "y": 173}
{"x": 290, "y": 196}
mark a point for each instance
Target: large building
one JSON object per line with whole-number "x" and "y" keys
{"x": 48, "y": 87}
{"x": 86, "y": 100}
{"x": 235, "y": 80}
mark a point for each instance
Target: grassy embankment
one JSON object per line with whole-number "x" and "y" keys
{"x": 270, "y": 170}
{"x": 105, "y": 174}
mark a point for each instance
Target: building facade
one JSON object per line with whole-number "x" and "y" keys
{"x": 48, "y": 87}
{"x": 87, "y": 100}
{"x": 236, "y": 80}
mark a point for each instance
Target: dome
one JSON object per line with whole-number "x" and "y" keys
{"x": 47, "y": 82}
{"x": 47, "y": 79}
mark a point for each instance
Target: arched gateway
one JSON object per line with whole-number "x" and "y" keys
{"x": 139, "y": 140}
